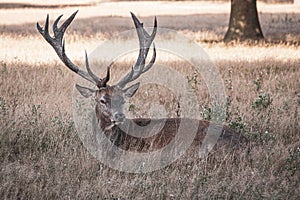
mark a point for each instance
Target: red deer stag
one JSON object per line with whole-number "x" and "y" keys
{"x": 110, "y": 116}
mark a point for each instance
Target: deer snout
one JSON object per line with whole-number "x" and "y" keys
{"x": 119, "y": 117}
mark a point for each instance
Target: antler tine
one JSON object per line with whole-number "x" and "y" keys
{"x": 59, "y": 45}
{"x": 94, "y": 77}
{"x": 145, "y": 41}
{"x": 151, "y": 61}
{"x": 104, "y": 81}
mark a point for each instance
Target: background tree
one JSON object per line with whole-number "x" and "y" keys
{"x": 244, "y": 22}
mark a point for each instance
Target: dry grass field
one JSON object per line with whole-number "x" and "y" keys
{"x": 42, "y": 157}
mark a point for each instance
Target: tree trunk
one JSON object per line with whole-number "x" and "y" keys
{"x": 244, "y": 22}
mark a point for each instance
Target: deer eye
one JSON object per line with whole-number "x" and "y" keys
{"x": 102, "y": 101}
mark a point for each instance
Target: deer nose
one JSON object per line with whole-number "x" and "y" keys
{"x": 119, "y": 117}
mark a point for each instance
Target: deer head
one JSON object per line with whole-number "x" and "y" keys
{"x": 109, "y": 98}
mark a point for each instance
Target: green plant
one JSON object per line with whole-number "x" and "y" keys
{"x": 263, "y": 101}
{"x": 207, "y": 112}
{"x": 3, "y": 107}
{"x": 238, "y": 124}
{"x": 293, "y": 161}
{"x": 35, "y": 114}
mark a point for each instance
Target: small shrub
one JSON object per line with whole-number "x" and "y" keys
{"x": 263, "y": 101}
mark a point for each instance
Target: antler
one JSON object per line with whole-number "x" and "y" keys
{"x": 59, "y": 46}
{"x": 145, "y": 41}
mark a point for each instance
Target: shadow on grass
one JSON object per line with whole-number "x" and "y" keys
{"x": 26, "y": 5}
{"x": 205, "y": 27}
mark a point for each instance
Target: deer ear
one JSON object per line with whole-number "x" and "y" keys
{"x": 84, "y": 91}
{"x": 130, "y": 91}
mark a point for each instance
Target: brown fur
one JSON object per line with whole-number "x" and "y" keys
{"x": 125, "y": 141}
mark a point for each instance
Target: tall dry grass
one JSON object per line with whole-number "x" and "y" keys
{"x": 42, "y": 156}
